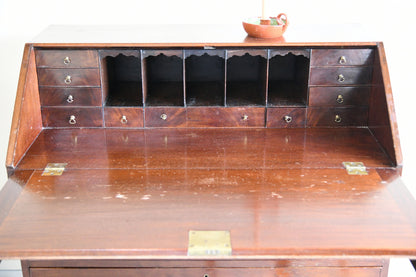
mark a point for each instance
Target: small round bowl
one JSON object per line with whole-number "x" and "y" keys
{"x": 276, "y": 28}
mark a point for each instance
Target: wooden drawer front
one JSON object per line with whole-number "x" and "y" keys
{"x": 341, "y": 57}
{"x": 286, "y": 117}
{"x": 69, "y": 77}
{"x": 66, "y": 58}
{"x": 340, "y": 76}
{"x": 209, "y": 272}
{"x": 72, "y": 117}
{"x": 225, "y": 117}
{"x": 339, "y": 96}
{"x": 165, "y": 117}
{"x": 123, "y": 117}
{"x": 357, "y": 116}
{"x": 53, "y": 96}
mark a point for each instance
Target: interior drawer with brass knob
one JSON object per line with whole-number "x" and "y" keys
{"x": 125, "y": 117}
{"x": 72, "y": 117}
{"x": 89, "y": 77}
{"x": 225, "y": 117}
{"x": 334, "y": 117}
{"x": 286, "y": 117}
{"x": 79, "y": 96}
{"x": 342, "y": 57}
{"x": 67, "y": 58}
{"x": 165, "y": 117}
{"x": 339, "y": 96}
{"x": 340, "y": 76}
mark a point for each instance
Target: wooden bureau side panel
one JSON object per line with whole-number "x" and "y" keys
{"x": 357, "y": 116}
{"x": 56, "y": 96}
{"x": 339, "y": 96}
{"x": 57, "y": 58}
{"x": 165, "y": 117}
{"x": 27, "y": 121}
{"x": 382, "y": 117}
{"x": 83, "y": 117}
{"x": 330, "y": 76}
{"x": 79, "y": 77}
{"x": 332, "y": 57}
{"x": 226, "y": 117}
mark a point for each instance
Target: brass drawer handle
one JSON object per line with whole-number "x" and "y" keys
{"x": 341, "y": 78}
{"x": 123, "y": 119}
{"x": 164, "y": 116}
{"x": 72, "y": 120}
{"x": 68, "y": 79}
{"x": 340, "y": 99}
{"x": 338, "y": 118}
{"x": 67, "y": 60}
{"x": 70, "y": 99}
{"x": 287, "y": 119}
{"x": 342, "y": 60}
{"x": 244, "y": 117}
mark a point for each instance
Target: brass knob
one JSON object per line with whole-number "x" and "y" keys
{"x": 340, "y": 99}
{"x": 288, "y": 118}
{"x": 67, "y": 60}
{"x": 341, "y": 78}
{"x": 70, "y": 99}
{"x": 72, "y": 120}
{"x": 206, "y": 275}
{"x": 342, "y": 60}
{"x": 244, "y": 117}
{"x": 123, "y": 119}
{"x": 164, "y": 116}
{"x": 338, "y": 118}
{"x": 68, "y": 79}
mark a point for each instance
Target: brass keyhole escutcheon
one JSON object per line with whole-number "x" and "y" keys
{"x": 67, "y": 60}
{"x": 342, "y": 60}
{"x": 341, "y": 78}
{"x": 287, "y": 118}
{"x": 70, "y": 99}
{"x": 164, "y": 116}
{"x": 72, "y": 120}
{"x": 68, "y": 79}
{"x": 123, "y": 119}
{"x": 338, "y": 118}
{"x": 340, "y": 99}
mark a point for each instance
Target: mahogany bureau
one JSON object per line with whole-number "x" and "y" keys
{"x": 198, "y": 151}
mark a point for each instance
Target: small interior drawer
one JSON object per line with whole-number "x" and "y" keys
{"x": 286, "y": 117}
{"x": 123, "y": 117}
{"x": 80, "y": 96}
{"x": 340, "y": 76}
{"x": 342, "y": 57}
{"x": 69, "y": 77}
{"x": 332, "y": 117}
{"x": 66, "y": 58}
{"x": 72, "y": 117}
{"x": 165, "y": 117}
{"x": 225, "y": 117}
{"x": 339, "y": 96}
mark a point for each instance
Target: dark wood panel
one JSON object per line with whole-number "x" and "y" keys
{"x": 69, "y": 77}
{"x": 72, "y": 117}
{"x": 57, "y": 96}
{"x": 286, "y": 117}
{"x": 341, "y": 57}
{"x": 165, "y": 117}
{"x": 66, "y": 58}
{"x": 339, "y": 96}
{"x": 225, "y": 117}
{"x": 123, "y": 117}
{"x": 357, "y": 116}
{"x": 330, "y": 76}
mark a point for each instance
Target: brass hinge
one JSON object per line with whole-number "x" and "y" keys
{"x": 355, "y": 168}
{"x": 209, "y": 243}
{"x": 54, "y": 169}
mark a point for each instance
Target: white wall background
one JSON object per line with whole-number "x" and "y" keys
{"x": 391, "y": 20}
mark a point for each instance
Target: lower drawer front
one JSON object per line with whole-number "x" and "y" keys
{"x": 72, "y": 117}
{"x": 225, "y": 117}
{"x": 207, "y": 272}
